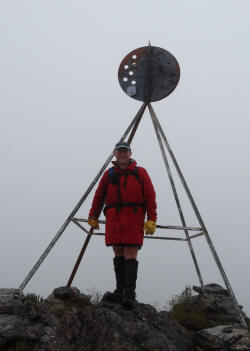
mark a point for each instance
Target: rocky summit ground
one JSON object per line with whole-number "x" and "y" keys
{"x": 69, "y": 320}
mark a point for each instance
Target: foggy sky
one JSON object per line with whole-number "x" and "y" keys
{"x": 62, "y": 110}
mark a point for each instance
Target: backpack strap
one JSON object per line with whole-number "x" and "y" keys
{"x": 110, "y": 172}
{"x": 113, "y": 177}
{"x": 135, "y": 171}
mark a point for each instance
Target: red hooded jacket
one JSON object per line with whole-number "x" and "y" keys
{"x": 126, "y": 225}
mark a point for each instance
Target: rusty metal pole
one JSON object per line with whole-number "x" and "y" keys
{"x": 175, "y": 193}
{"x": 209, "y": 241}
{"x": 86, "y": 242}
{"x": 68, "y": 220}
{"x": 138, "y": 119}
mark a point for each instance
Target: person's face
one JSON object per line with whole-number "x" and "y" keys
{"x": 122, "y": 155}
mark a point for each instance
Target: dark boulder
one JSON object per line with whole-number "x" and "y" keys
{"x": 215, "y": 304}
{"x": 113, "y": 328}
{"x": 211, "y": 289}
{"x": 222, "y": 337}
{"x": 11, "y": 302}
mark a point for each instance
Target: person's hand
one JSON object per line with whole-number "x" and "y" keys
{"x": 93, "y": 222}
{"x": 149, "y": 227}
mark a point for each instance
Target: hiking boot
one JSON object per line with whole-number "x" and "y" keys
{"x": 130, "y": 272}
{"x": 117, "y": 295}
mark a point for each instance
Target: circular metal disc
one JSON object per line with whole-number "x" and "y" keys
{"x": 149, "y": 73}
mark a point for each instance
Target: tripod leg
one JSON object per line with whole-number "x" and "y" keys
{"x": 80, "y": 257}
{"x": 175, "y": 194}
{"x": 68, "y": 220}
{"x": 209, "y": 241}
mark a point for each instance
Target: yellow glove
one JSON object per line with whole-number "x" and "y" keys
{"x": 150, "y": 227}
{"x": 93, "y": 222}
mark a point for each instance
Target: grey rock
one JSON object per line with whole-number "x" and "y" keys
{"x": 63, "y": 293}
{"x": 177, "y": 334}
{"x": 49, "y": 331}
{"x": 45, "y": 338}
{"x": 74, "y": 324}
{"x": 5, "y": 294}
{"x": 11, "y": 302}
{"x": 40, "y": 330}
{"x": 52, "y": 321}
{"x": 216, "y": 307}
{"x": 220, "y": 337}
{"x": 140, "y": 329}
{"x": 75, "y": 291}
{"x": 84, "y": 297}
{"x": 211, "y": 289}
{"x": 17, "y": 328}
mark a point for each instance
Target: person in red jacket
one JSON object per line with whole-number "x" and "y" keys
{"x": 128, "y": 194}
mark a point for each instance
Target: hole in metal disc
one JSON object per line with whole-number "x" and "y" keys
{"x": 125, "y": 79}
{"x": 134, "y": 57}
{"x": 130, "y": 73}
{"x": 133, "y": 82}
{"x": 134, "y": 63}
{"x": 126, "y": 67}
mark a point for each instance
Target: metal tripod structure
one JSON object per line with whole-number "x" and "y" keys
{"x": 201, "y": 231}
{"x": 147, "y": 74}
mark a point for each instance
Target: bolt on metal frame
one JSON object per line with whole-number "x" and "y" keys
{"x": 201, "y": 230}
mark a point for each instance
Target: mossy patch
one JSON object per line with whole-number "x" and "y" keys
{"x": 75, "y": 303}
{"x": 17, "y": 346}
{"x": 31, "y": 297}
{"x": 180, "y": 308}
{"x": 22, "y": 346}
{"x": 189, "y": 319}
